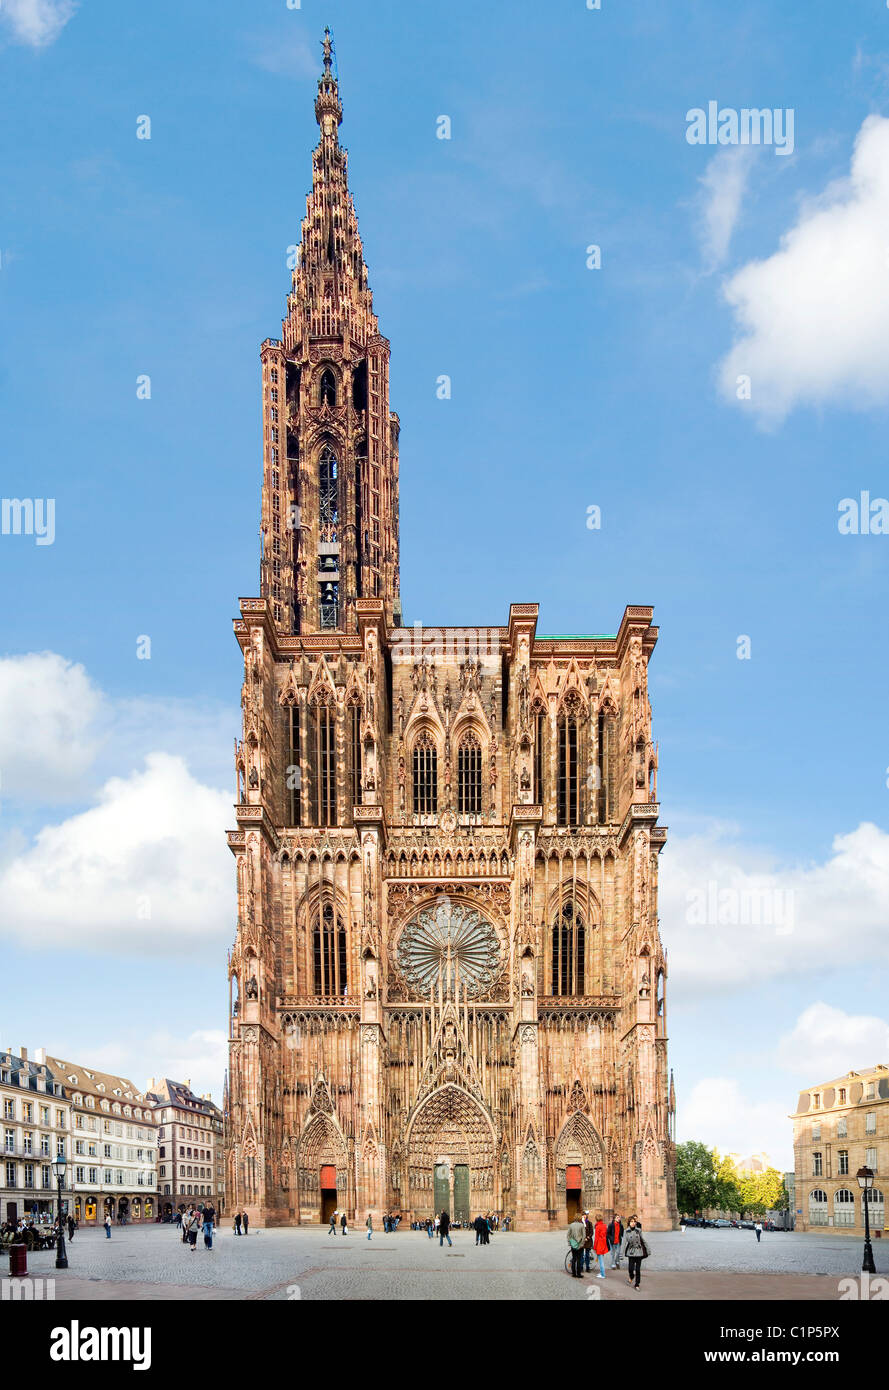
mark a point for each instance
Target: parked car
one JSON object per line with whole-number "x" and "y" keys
{"x": 748, "y": 1226}
{"x": 722, "y": 1224}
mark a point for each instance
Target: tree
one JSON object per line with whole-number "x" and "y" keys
{"x": 697, "y": 1184}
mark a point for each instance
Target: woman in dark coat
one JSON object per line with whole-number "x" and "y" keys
{"x": 635, "y": 1251}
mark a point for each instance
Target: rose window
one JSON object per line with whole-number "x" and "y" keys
{"x": 451, "y": 943}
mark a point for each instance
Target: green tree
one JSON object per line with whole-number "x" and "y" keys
{"x": 728, "y": 1183}
{"x": 696, "y": 1180}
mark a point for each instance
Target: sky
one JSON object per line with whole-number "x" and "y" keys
{"x": 691, "y": 337}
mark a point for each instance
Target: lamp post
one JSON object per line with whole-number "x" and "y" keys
{"x": 60, "y": 1164}
{"x": 865, "y": 1178}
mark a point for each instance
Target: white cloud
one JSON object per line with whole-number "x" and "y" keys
{"x": 49, "y": 710}
{"x": 200, "y": 1057}
{"x": 826, "y": 1043}
{"x": 812, "y": 320}
{"x": 732, "y": 915}
{"x": 723, "y": 184}
{"x": 60, "y": 734}
{"x": 146, "y": 869}
{"x": 718, "y": 1114}
{"x": 37, "y": 22}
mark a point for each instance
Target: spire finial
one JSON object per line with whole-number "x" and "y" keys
{"x": 327, "y": 103}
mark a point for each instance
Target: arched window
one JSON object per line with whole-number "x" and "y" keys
{"x": 568, "y": 804}
{"x": 327, "y": 490}
{"x": 469, "y": 776}
{"x": 876, "y": 1208}
{"x": 325, "y": 765}
{"x": 606, "y": 767}
{"x": 425, "y": 776}
{"x": 539, "y": 726}
{"x": 293, "y": 770}
{"x": 817, "y": 1207}
{"x": 355, "y": 752}
{"x": 327, "y": 389}
{"x": 844, "y": 1207}
{"x": 329, "y": 953}
{"x": 569, "y": 951}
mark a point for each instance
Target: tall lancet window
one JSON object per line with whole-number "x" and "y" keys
{"x": 328, "y": 501}
{"x": 425, "y": 776}
{"x": 325, "y": 765}
{"x": 469, "y": 776}
{"x": 569, "y": 951}
{"x": 327, "y": 389}
{"x": 329, "y": 953}
{"x": 568, "y": 798}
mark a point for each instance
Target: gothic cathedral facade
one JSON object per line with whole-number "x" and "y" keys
{"x": 447, "y": 984}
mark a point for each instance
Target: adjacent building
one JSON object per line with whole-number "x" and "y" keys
{"x": 448, "y": 985}
{"x": 113, "y": 1153}
{"x": 36, "y": 1128}
{"x": 191, "y": 1159}
{"x": 839, "y": 1127}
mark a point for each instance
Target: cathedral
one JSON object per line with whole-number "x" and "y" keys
{"x": 447, "y": 983}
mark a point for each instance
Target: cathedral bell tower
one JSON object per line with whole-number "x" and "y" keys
{"x": 330, "y": 442}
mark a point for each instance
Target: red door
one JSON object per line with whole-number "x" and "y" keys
{"x": 572, "y": 1176}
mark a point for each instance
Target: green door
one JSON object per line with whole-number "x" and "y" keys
{"x": 461, "y": 1192}
{"x": 441, "y": 1188}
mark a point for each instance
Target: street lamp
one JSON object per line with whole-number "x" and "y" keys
{"x": 60, "y": 1164}
{"x": 865, "y": 1178}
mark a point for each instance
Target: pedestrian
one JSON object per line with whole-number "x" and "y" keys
{"x": 600, "y": 1245}
{"x": 209, "y": 1221}
{"x": 344, "y": 1224}
{"x": 245, "y": 1221}
{"x": 477, "y": 1224}
{"x": 576, "y": 1237}
{"x": 237, "y": 1223}
{"x": 331, "y": 1230}
{"x": 429, "y": 1228}
{"x": 192, "y": 1223}
{"x": 108, "y": 1225}
{"x": 369, "y": 1223}
{"x": 183, "y": 1219}
{"x": 587, "y": 1242}
{"x": 758, "y": 1229}
{"x": 70, "y": 1227}
{"x": 635, "y": 1250}
{"x": 444, "y": 1229}
{"x": 615, "y": 1235}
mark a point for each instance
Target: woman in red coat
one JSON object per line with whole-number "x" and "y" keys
{"x": 600, "y": 1245}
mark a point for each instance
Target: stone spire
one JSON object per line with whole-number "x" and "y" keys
{"x": 330, "y": 495}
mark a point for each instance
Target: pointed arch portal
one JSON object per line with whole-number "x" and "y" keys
{"x": 451, "y": 1145}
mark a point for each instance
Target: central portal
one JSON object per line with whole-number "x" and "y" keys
{"x": 451, "y": 1156}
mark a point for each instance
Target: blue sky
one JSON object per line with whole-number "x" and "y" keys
{"x": 571, "y": 387}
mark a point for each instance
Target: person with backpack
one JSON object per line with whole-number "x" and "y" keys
{"x": 576, "y": 1238}
{"x": 444, "y": 1229}
{"x": 635, "y": 1250}
{"x": 192, "y": 1224}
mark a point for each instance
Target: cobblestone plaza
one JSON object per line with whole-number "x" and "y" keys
{"x": 279, "y": 1264}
